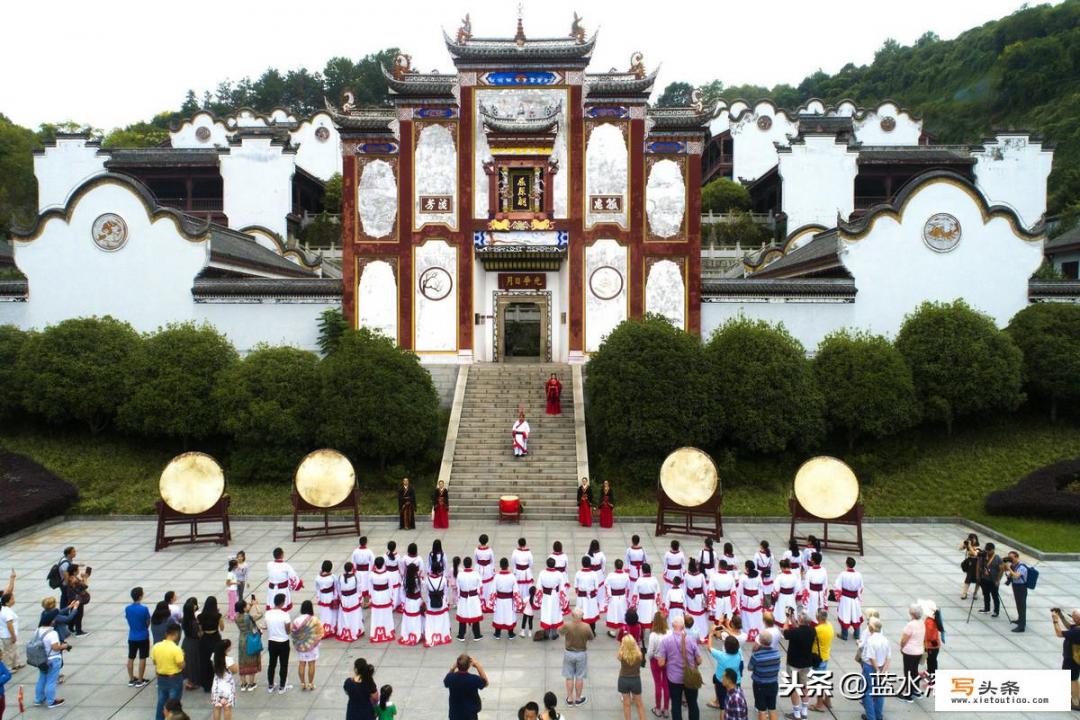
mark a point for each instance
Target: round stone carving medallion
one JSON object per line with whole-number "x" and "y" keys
{"x": 764, "y": 122}
{"x": 109, "y": 232}
{"x": 322, "y": 134}
{"x": 941, "y": 233}
{"x": 605, "y": 283}
{"x": 435, "y": 283}
{"x": 888, "y": 124}
{"x": 202, "y": 133}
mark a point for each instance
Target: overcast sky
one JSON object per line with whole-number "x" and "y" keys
{"x": 112, "y": 62}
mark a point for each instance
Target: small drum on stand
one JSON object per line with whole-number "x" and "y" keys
{"x": 510, "y": 508}
{"x": 689, "y": 489}
{"x": 826, "y": 491}
{"x": 192, "y": 488}
{"x": 325, "y": 481}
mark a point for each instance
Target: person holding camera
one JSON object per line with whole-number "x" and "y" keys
{"x": 1016, "y": 574}
{"x": 969, "y": 564}
{"x": 1069, "y": 632}
{"x": 989, "y": 573}
{"x": 465, "y": 688}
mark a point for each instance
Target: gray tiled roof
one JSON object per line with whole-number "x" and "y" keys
{"x": 727, "y": 287}
{"x": 620, "y": 83}
{"x": 424, "y": 84}
{"x": 1067, "y": 239}
{"x": 823, "y": 249}
{"x": 1053, "y": 288}
{"x": 532, "y": 50}
{"x": 690, "y": 118}
{"x": 230, "y": 246}
{"x": 13, "y": 288}
{"x": 373, "y": 120}
{"x": 7, "y": 253}
{"x": 824, "y": 124}
{"x": 164, "y": 156}
{"x": 881, "y": 155}
{"x": 263, "y": 287}
{"x": 520, "y": 123}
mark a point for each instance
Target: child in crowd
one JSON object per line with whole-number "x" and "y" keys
{"x": 532, "y": 604}
{"x": 231, "y": 586}
{"x": 241, "y": 573}
{"x": 385, "y": 710}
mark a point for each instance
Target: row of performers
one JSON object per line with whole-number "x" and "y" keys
{"x": 440, "y": 506}
{"x": 586, "y": 504}
{"x": 423, "y": 591}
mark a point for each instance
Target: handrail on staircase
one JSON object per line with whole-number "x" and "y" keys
{"x": 450, "y": 446}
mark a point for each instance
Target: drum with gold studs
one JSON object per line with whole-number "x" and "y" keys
{"x": 325, "y": 478}
{"x": 826, "y": 487}
{"x": 689, "y": 477}
{"x": 192, "y": 483}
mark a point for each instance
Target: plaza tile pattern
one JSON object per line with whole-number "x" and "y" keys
{"x": 903, "y": 562}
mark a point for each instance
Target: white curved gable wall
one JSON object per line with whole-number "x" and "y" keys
{"x": 754, "y": 151}
{"x": 1012, "y": 170}
{"x": 186, "y": 136}
{"x": 868, "y": 130}
{"x": 63, "y": 167}
{"x": 321, "y": 158}
{"x": 818, "y": 177}
{"x": 257, "y": 185}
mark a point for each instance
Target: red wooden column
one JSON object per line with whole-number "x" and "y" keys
{"x": 348, "y": 237}
{"x": 466, "y": 165}
{"x": 405, "y": 234}
{"x": 693, "y": 232}
{"x": 636, "y": 266}
{"x": 576, "y": 224}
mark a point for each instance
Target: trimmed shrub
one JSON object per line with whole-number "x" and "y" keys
{"x": 77, "y": 370}
{"x": 12, "y": 340}
{"x": 1049, "y": 493}
{"x": 1049, "y": 336}
{"x": 171, "y": 381}
{"x": 961, "y": 363}
{"x": 31, "y": 493}
{"x": 723, "y": 196}
{"x": 866, "y": 384}
{"x": 767, "y": 386}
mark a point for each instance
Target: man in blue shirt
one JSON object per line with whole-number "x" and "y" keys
{"x": 1017, "y": 573}
{"x": 465, "y": 688}
{"x": 138, "y": 620}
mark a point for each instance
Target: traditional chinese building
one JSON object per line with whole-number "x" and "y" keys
{"x": 520, "y": 207}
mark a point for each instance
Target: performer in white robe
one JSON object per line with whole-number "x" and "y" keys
{"x": 788, "y": 590}
{"x": 817, "y": 586}
{"x": 437, "y": 609}
{"x": 707, "y": 559}
{"x": 795, "y": 558}
{"x": 522, "y": 561}
{"x": 507, "y": 601}
{"x": 618, "y": 587}
{"x": 722, "y": 582}
{"x": 484, "y": 557}
{"x": 520, "y": 435}
{"x": 676, "y": 599}
{"x": 849, "y": 589}
{"x": 550, "y": 584}
{"x": 763, "y": 561}
{"x": 350, "y": 605}
{"x": 635, "y": 558}
{"x": 382, "y": 603}
{"x": 392, "y": 565}
{"x": 412, "y": 617}
{"x": 729, "y": 557}
{"x": 585, "y": 590}
{"x": 412, "y": 557}
{"x": 813, "y": 545}
{"x": 326, "y": 599}
{"x": 750, "y": 601}
{"x": 281, "y": 578}
{"x": 599, "y": 566}
{"x": 562, "y": 564}
{"x": 695, "y": 601}
{"x": 646, "y": 598}
{"x": 363, "y": 559}
{"x": 469, "y": 611}
{"x": 674, "y": 566}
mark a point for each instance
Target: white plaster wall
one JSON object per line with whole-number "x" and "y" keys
{"x": 1012, "y": 170}
{"x": 436, "y": 174}
{"x": 147, "y": 282}
{"x": 808, "y": 322}
{"x": 754, "y": 152}
{"x": 376, "y": 198}
{"x": 721, "y": 123}
{"x": 64, "y": 167}
{"x": 435, "y": 321}
{"x": 606, "y": 172}
{"x": 321, "y": 158}
{"x": 273, "y": 323}
{"x": 846, "y": 108}
{"x": 868, "y": 130}
{"x": 602, "y": 314}
{"x": 185, "y": 136}
{"x": 665, "y": 292}
{"x": 257, "y": 184}
{"x": 508, "y": 101}
{"x": 895, "y": 271}
{"x": 377, "y": 299}
{"x": 819, "y": 181}
{"x": 665, "y": 199}
{"x": 813, "y": 106}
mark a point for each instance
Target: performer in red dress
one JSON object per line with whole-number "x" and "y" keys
{"x": 440, "y": 507}
{"x": 554, "y": 395}
{"x": 607, "y": 505}
{"x": 585, "y": 503}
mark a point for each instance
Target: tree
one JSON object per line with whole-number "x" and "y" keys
{"x": 77, "y": 370}
{"x": 375, "y": 400}
{"x": 190, "y": 105}
{"x": 267, "y": 406}
{"x": 332, "y": 326}
{"x": 1048, "y": 334}
{"x": 647, "y": 395}
{"x": 12, "y": 340}
{"x": 676, "y": 94}
{"x": 135, "y": 135}
{"x": 18, "y": 186}
{"x": 771, "y": 400}
{"x": 332, "y": 194}
{"x": 866, "y": 384}
{"x": 961, "y": 363}
{"x": 173, "y": 373}
{"x": 723, "y": 196}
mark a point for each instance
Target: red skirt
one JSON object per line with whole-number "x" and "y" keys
{"x": 441, "y": 521}
{"x": 607, "y": 516}
{"x": 554, "y": 406}
{"x": 584, "y": 513}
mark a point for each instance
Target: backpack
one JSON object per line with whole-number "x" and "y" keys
{"x": 435, "y": 597}
{"x": 37, "y": 654}
{"x": 53, "y": 578}
{"x": 1032, "y": 577}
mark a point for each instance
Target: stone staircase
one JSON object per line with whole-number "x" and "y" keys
{"x": 484, "y": 467}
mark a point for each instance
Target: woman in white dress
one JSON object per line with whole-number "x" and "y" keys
{"x": 788, "y": 589}
{"x": 729, "y": 557}
{"x": 794, "y": 557}
{"x": 306, "y": 632}
{"x": 763, "y": 561}
{"x": 392, "y": 566}
{"x": 550, "y": 584}
{"x": 326, "y": 598}
{"x": 382, "y": 603}
{"x": 722, "y": 584}
{"x": 350, "y": 594}
{"x": 223, "y": 689}
{"x": 695, "y": 601}
{"x": 817, "y": 585}
{"x": 599, "y": 566}
{"x": 436, "y": 557}
{"x": 412, "y": 620}
{"x": 437, "y": 607}
{"x": 676, "y": 599}
{"x": 618, "y": 585}
{"x": 750, "y": 601}
{"x": 646, "y": 595}
{"x": 507, "y": 600}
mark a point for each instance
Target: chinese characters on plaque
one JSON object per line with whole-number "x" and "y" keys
{"x": 436, "y": 203}
{"x": 522, "y": 281}
{"x": 521, "y": 190}
{"x": 605, "y": 203}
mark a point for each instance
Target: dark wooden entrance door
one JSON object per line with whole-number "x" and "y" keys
{"x": 522, "y": 328}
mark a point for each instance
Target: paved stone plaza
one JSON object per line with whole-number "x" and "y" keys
{"x": 903, "y": 562}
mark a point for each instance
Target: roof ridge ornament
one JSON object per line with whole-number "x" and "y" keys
{"x": 519, "y": 36}
{"x": 464, "y": 33}
{"x": 403, "y": 65}
{"x": 637, "y": 64}
{"x": 577, "y": 30}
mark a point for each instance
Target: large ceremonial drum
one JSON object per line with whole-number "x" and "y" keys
{"x": 325, "y": 478}
{"x": 689, "y": 477}
{"x": 192, "y": 483}
{"x": 826, "y": 487}
{"x": 509, "y": 504}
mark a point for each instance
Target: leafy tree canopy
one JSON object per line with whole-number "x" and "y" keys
{"x": 1049, "y": 336}
{"x": 12, "y": 340}
{"x": 723, "y": 195}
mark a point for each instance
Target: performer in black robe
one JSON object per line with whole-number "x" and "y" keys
{"x": 406, "y": 500}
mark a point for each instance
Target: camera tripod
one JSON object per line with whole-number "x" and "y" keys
{"x": 1001, "y": 604}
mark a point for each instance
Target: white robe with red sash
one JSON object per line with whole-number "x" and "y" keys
{"x": 350, "y": 608}
{"x": 484, "y": 558}
{"x": 520, "y": 435}
{"x": 383, "y": 595}
{"x": 281, "y": 578}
